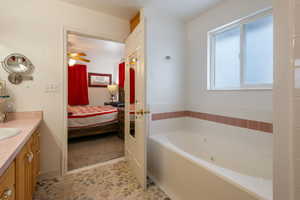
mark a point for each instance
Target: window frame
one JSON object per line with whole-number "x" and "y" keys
{"x": 211, "y": 52}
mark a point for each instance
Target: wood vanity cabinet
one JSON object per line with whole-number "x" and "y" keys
{"x": 27, "y": 168}
{"x": 19, "y": 180}
{"x": 7, "y": 184}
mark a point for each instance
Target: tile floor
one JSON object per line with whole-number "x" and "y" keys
{"x": 108, "y": 182}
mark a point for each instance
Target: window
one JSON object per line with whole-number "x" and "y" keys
{"x": 241, "y": 54}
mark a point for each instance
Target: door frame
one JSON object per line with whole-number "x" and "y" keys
{"x": 81, "y": 32}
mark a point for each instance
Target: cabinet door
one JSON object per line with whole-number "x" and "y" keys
{"x": 24, "y": 172}
{"x": 7, "y": 184}
{"x": 36, "y": 157}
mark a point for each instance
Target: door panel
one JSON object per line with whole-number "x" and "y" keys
{"x": 135, "y": 96}
{"x": 7, "y": 184}
{"x": 36, "y": 157}
{"x": 24, "y": 172}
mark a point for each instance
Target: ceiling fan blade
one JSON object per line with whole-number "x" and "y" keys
{"x": 77, "y": 54}
{"x": 79, "y": 58}
{"x": 81, "y": 54}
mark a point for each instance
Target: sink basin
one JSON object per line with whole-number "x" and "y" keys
{"x": 8, "y": 132}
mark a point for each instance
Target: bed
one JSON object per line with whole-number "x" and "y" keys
{"x": 92, "y": 120}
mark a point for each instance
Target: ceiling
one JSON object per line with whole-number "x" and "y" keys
{"x": 92, "y": 46}
{"x": 126, "y": 9}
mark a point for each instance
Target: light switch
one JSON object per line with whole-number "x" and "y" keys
{"x": 297, "y": 62}
{"x": 297, "y": 78}
{"x": 52, "y": 88}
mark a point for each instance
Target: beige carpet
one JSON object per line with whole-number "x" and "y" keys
{"x": 92, "y": 150}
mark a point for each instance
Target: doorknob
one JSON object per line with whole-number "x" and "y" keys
{"x": 29, "y": 157}
{"x": 142, "y": 112}
{"x": 6, "y": 194}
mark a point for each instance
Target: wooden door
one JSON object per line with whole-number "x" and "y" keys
{"x": 135, "y": 103}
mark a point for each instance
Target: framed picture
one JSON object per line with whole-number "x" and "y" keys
{"x": 99, "y": 80}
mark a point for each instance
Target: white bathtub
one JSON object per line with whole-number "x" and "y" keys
{"x": 192, "y": 159}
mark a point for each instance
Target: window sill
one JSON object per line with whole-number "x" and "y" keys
{"x": 239, "y": 89}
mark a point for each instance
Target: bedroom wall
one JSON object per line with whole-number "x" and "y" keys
{"x": 103, "y": 63}
{"x": 252, "y": 105}
{"x": 35, "y": 28}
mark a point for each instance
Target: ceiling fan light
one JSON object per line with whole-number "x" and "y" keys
{"x": 72, "y": 62}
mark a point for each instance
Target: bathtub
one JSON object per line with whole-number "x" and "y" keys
{"x": 193, "y": 159}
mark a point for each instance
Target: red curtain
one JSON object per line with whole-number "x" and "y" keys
{"x": 77, "y": 85}
{"x": 132, "y": 81}
{"x": 121, "y": 75}
{"x": 132, "y": 86}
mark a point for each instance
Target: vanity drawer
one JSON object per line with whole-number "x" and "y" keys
{"x": 7, "y": 184}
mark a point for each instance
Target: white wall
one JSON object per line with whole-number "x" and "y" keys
{"x": 286, "y": 133}
{"x": 253, "y": 105}
{"x": 165, "y": 37}
{"x": 35, "y": 28}
{"x": 103, "y": 64}
{"x": 296, "y": 97}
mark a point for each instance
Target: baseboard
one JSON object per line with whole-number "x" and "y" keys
{"x": 171, "y": 195}
{"x": 96, "y": 165}
{"x": 50, "y": 174}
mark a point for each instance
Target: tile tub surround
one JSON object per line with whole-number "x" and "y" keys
{"x": 169, "y": 115}
{"x": 109, "y": 182}
{"x": 242, "y": 123}
{"x": 10, "y": 147}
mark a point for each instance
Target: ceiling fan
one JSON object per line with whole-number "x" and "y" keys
{"x": 73, "y": 57}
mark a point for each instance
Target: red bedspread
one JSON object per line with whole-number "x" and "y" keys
{"x": 89, "y": 111}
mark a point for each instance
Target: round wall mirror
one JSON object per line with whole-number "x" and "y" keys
{"x": 18, "y": 63}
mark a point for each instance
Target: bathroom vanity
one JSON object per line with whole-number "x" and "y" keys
{"x": 20, "y": 156}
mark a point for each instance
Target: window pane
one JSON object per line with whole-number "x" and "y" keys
{"x": 259, "y": 51}
{"x": 227, "y": 61}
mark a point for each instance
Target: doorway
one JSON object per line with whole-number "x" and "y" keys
{"x": 96, "y": 73}
{"x": 134, "y": 144}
